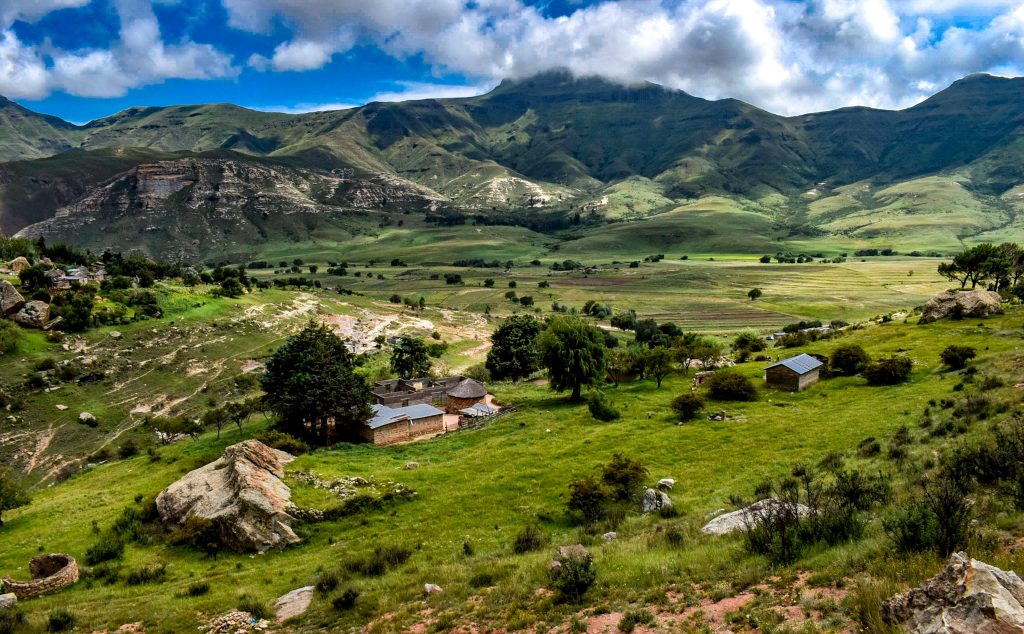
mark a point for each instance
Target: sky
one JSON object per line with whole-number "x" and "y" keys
{"x": 84, "y": 59}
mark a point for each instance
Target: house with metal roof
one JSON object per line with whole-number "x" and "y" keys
{"x": 793, "y": 374}
{"x": 390, "y": 425}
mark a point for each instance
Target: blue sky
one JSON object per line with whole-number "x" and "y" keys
{"x": 83, "y": 59}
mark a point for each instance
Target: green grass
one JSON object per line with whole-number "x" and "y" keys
{"x": 484, "y": 486}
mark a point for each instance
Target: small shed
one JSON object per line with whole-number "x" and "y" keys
{"x": 391, "y": 425}
{"x": 465, "y": 394}
{"x": 793, "y": 374}
{"x": 479, "y": 411}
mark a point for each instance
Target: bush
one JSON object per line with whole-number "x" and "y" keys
{"x": 624, "y": 477}
{"x": 687, "y": 405}
{"x": 128, "y": 449}
{"x": 254, "y": 607}
{"x": 9, "y": 333}
{"x": 380, "y": 561}
{"x": 109, "y": 547}
{"x": 730, "y": 385}
{"x": 60, "y": 620}
{"x": 327, "y": 582}
{"x": 869, "y": 447}
{"x": 11, "y": 620}
{"x": 528, "y": 539}
{"x": 848, "y": 360}
{"x": 283, "y": 442}
{"x": 199, "y": 533}
{"x": 939, "y": 521}
{"x": 956, "y": 357}
{"x": 147, "y": 574}
{"x": 631, "y": 618}
{"x": 601, "y": 407}
{"x": 197, "y": 589}
{"x": 590, "y": 497}
{"x": 345, "y": 601}
{"x": 888, "y": 371}
{"x": 574, "y": 574}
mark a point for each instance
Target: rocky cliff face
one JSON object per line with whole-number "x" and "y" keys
{"x": 187, "y": 207}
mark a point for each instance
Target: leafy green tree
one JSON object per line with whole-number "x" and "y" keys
{"x": 888, "y": 371}
{"x": 410, "y": 358}
{"x": 310, "y": 385}
{"x": 730, "y": 385}
{"x": 75, "y": 310}
{"x": 215, "y": 417}
{"x": 659, "y": 363}
{"x": 1015, "y": 258}
{"x": 848, "y": 360}
{"x": 754, "y": 293}
{"x": 573, "y": 353}
{"x": 977, "y": 264}
{"x": 32, "y": 279}
{"x": 956, "y": 357}
{"x": 589, "y": 497}
{"x": 513, "y": 354}
{"x": 12, "y": 493}
{"x": 620, "y": 364}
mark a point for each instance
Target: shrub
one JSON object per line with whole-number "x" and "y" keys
{"x": 107, "y": 548}
{"x": 199, "y": 533}
{"x": 11, "y": 620}
{"x": 254, "y": 607}
{"x": 601, "y": 407}
{"x": 197, "y": 589}
{"x": 848, "y": 360}
{"x": 380, "y": 561}
{"x": 283, "y": 442}
{"x": 729, "y": 385}
{"x": 530, "y": 538}
{"x": 574, "y": 573}
{"x": 631, "y": 618}
{"x": 128, "y": 449}
{"x": 939, "y": 521}
{"x": 956, "y": 357}
{"x": 687, "y": 405}
{"x": 147, "y": 574}
{"x": 327, "y": 582}
{"x": 888, "y": 371}
{"x": 624, "y": 477}
{"x": 590, "y": 497}
{"x": 345, "y": 601}
{"x": 9, "y": 333}
{"x": 869, "y": 447}
{"x": 60, "y": 620}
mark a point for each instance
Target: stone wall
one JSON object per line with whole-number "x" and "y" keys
{"x": 406, "y": 430}
{"x": 49, "y": 573}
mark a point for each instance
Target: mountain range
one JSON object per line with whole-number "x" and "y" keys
{"x": 551, "y": 152}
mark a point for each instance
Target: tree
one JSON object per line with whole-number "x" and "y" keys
{"x": 620, "y": 363}
{"x": 659, "y": 363}
{"x": 231, "y": 287}
{"x": 956, "y": 357}
{"x": 513, "y": 354}
{"x": 848, "y": 360}
{"x": 12, "y": 493}
{"x": 1015, "y": 258}
{"x": 765, "y": 259}
{"x": 215, "y": 417}
{"x": 888, "y": 371}
{"x": 730, "y": 385}
{"x": 311, "y": 386}
{"x": 977, "y": 264}
{"x": 33, "y": 279}
{"x": 754, "y": 293}
{"x": 410, "y": 358}
{"x": 573, "y": 353}
{"x": 590, "y": 497}
{"x": 489, "y": 283}
{"x": 688, "y": 405}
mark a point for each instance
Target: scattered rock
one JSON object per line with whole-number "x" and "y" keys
{"x": 242, "y": 492}
{"x": 234, "y": 622}
{"x": 409, "y": 466}
{"x": 666, "y": 484}
{"x": 11, "y": 300}
{"x": 8, "y": 600}
{"x": 654, "y": 500}
{"x": 610, "y": 536}
{"x": 967, "y": 596}
{"x": 61, "y": 407}
{"x": 976, "y": 303}
{"x": 34, "y": 314}
{"x": 432, "y": 588}
{"x": 115, "y": 334}
{"x": 748, "y": 516}
{"x": 19, "y": 264}
{"x": 294, "y": 603}
{"x": 49, "y": 573}
{"x": 86, "y": 418}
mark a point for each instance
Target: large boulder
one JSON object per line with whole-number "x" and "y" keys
{"x": 966, "y": 597}
{"x": 34, "y": 314}
{"x": 293, "y": 604}
{"x": 241, "y": 492}
{"x": 749, "y": 516}
{"x": 19, "y": 264}
{"x": 974, "y": 303}
{"x": 11, "y": 300}
{"x": 654, "y": 501}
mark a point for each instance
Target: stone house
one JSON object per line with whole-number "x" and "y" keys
{"x": 57, "y": 279}
{"x": 391, "y": 425}
{"x": 793, "y": 374}
{"x": 464, "y": 395}
{"x": 437, "y": 392}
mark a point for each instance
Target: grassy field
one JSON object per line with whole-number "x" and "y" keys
{"x": 483, "y": 486}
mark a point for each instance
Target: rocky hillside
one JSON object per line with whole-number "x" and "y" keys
{"x": 563, "y": 144}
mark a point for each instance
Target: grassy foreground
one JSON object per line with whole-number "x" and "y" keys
{"x": 482, "y": 487}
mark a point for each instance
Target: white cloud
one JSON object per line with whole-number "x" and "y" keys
{"x": 406, "y": 91}
{"x": 31, "y": 10}
{"x": 303, "y": 108}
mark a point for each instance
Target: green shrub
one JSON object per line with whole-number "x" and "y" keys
{"x": 631, "y": 618}
{"x": 601, "y": 407}
{"x": 939, "y": 521}
{"x": 199, "y": 533}
{"x": 254, "y": 607}
{"x": 888, "y": 371}
{"x": 9, "y": 333}
{"x": 624, "y": 477}
{"x": 956, "y": 357}
{"x": 730, "y": 385}
{"x": 530, "y": 538}
{"x": 687, "y": 405}
{"x": 283, "y": 442}
{"x": 11, "y": 620}
{"x": 590, "y": 497}
{"x": 345, "y": 601}
{"x": 327, "y": 581}
{"x": 147, "y": 574}
{"x": 574, "y": 573}
{"x": 60, "y": 620}
{"x": 107, "y": 548}
{"x": 196, "y": 589}
{"x": 128, "y": 449}
{"x": 380, "y": 561}
{"x": 848, "y": 360}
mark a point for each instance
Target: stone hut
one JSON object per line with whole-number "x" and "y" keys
{"x": 49, "y": 573}
{"x": 391, "y": 425}
{"x": 793, "y": 374}
{"x": 464, "y": 395}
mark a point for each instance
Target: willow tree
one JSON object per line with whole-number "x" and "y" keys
{"x": 573, "y": 353}
{"x": 311, "y": 386}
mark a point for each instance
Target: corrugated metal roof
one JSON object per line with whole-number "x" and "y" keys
{"x": 801, "y": 363}
{"x": 384, "y": 415}
{"x": 480, "y": 409}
